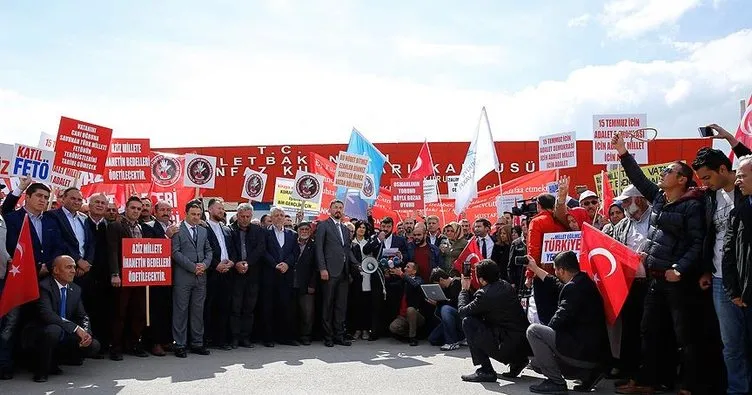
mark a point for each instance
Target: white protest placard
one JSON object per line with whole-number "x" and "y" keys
{"x": 504, "y": 203}
{"x": 351, "y": 170}
{"x": 308, "y": 187}
{"x": 6, "y": 155}
{"x": 430, "y": 191}
{"x": 283, "y": 197}
{"x": 557, "y": 151}
{"x": 200, "y": 171}
{"x": 47, "y": 141}
{"x": 452, "y": 182}
{"x": 604, "y": 128}
{"x": 254, "y": 185}
{"x": 554, "y": 243}
{"x": 33, "y": 162}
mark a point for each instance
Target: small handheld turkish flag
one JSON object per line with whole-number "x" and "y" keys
{"x": 744, "y": 132}
{"x": 472, "y": 255}
{"x": 611, "y": 265}
{"x": 21, "y": 283}
{"x": 607, "y": 193}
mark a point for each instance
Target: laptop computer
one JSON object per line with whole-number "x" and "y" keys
{"x": 433, "y": 292}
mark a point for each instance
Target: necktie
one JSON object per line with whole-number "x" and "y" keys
{"x": 483, "y": 248}
{"x": 63, "y": 301}
{"x": 195, "y": 235}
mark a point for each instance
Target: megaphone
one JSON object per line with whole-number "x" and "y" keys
{"x": 369, "y": 265}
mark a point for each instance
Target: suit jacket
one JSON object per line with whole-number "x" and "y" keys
{"x": 216, "y": 248}
{"x": 375, "y": 247}
{"x": 306, "y": 268}
{"x": 69, "y": 240}
{"x": 287, "y": 254}
{"x": 579, "y": 321}
{"x": 255, "y": 247}
{"x": 186, "y": 254}
{"x": 49, "y": 307}
{"x": 333, "y": 251}
{"x": 100, "y": 264}
{"x": 45, "y": 251}
{"x": 438, "y": 241}
{"x": 116, "y": 232}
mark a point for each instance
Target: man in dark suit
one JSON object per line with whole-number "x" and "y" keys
{"x": 45, "y": 238}
{"x": 387, "y": 239}
{"x": 191, "y": 256}
{"x": 130, "y": 302}
{"x": 306, "y": 276}
{"x": 97, "y": 295}
{"x": 159, "y": 334}
{"x": 249, "y": 241}
{"x": 219, "y": 277}
{"x": 277, "y": 281}
{"x": 77, "y": 238}
{"x": 575, "y": 342}
{"x": 333, "y": 255}
{"x": 494, "y": 324}
{"x": 61, "y": 324}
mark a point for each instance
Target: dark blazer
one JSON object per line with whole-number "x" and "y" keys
{"x": 306, "y": 268}
{"x": 333, "y": 251}
{"x": 287, "y": 254}
{"x": 44, "y": 252}
{"x": 500, "y": 255}
{"x": 69, "y": 240}
{"x": 496, "y": 304}
{"x": 100, "y": 264}
{"x": 255, "y": 247}
{"x": 580, "y": 321}
{"x": 49, "y": 307}
{"x": 374, "y": 246}
{"x": 737, "y": 252}
{"x": 216, "y": 250}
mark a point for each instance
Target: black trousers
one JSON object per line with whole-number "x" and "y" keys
{"x": 217, "y": 307}
{"x": 130, "y": 307}
{"x": 484, "y": 345}
{"x": 673, "y": 301}
{"x": 631, "y": 316}
{"x": 334, "y": 309}
{"x": 277, "y": 295}
{"x": 159, "y": 330}
{"x": 546, "y": 301}
{"x": 244, "y": 297}
{"x": 51, "y": 339}
{"x": 97, "y": 297}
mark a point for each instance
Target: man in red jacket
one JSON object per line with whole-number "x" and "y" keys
{"x": 544, "y": 222}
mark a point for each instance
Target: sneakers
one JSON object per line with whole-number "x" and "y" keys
{"x": 450, "y": 347}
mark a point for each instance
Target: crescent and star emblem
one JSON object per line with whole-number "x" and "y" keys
{"x": 606, "y": 253}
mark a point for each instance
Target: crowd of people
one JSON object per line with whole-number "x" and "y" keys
{"x": 246, "y": 281}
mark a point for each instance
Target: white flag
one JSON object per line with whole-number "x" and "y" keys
{"x": 480, "y": 160}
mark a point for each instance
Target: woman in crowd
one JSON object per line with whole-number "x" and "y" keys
{"x": 360, "y": 304}
{"x": 457, "y": 243}
{"x": 501, "y": 249}
{"x": 615, "y": 214}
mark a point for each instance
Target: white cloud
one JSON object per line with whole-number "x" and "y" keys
{"x": 465, "y": 54}
{"x": 580, "y": 21}
{"x": 633, "y": 18}
{"x": 212, "y": 97}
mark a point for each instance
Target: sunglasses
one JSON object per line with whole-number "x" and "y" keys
{"x": 667, "y": 170}
{"x": 590, "y": 203}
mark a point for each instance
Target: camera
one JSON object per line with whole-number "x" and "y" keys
{"x": 521, "y": 261}
{"x": 528, "y": 208}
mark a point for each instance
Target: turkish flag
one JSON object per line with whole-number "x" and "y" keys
{"x": 607, "y": 192}
{"x": 21, "y": 282}
{"x": 611, "y": 265}
{"x": 744, "y": 132}
{"x": 423, "y": 166}
{"x": 472, "y": 254}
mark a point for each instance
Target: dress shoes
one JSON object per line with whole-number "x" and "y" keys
{"x": 234, "y": 344}
{"x": 413, "y": 342}
{"x": 246, "y": 343}
{"x": 40, "y": 378}
{"x": 632, "y": 387}
{"x": 55, "y": 371}
{"x": 116, "y": 356}
{"x": 343, "y": 342}
{"x": 289, "y": 343}
{"x": 269, "y": 344}
{"x": 514, "y": 370}
{"x": 139, "y": 352}
{"x": 549, "y": 387}
{"x": 329, "y": 343}
{"x": 225, "y": 347}
{"x": 180, "y": 352}
{"x": 158, "y": 351}
{"x": 200, "y": 350}
{"x": 480, "y": 376}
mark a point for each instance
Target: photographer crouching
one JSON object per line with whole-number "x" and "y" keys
{"x": 494, "y": 324}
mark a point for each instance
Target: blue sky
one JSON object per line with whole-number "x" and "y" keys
{"x": 285, "y": 71}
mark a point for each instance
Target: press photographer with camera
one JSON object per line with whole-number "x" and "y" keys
{"x": 494, "y": 324}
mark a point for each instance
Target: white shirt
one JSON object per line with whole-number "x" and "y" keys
{"x": 388, "y": 241}
{"x": 78, "y": 229}
{"x": 60, "y": 294}
{"x": 724, "y": 205}
{"x": 339, "y": 228}
{"x": 280, "y": 236}
{"x": 217, "y": 229}
{"x": 637, "y": 234}
{"x": 489, "y": 245}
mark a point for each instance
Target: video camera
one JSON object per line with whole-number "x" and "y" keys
{"x": 390, "y": 263}
{"x": 528, "y": 208}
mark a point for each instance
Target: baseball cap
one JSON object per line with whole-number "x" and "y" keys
{"x": 587, "y": 194}
{"x": 628, "y": 192}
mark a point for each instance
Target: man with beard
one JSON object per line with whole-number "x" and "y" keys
{"x": 219, "y": 279}
{"x": 250, "y": 244}
{"x": 465, "y": 224}
{"x": 159, "y": 334}
{"x": 146, "y": 216}
{"x": 409, "y": 225}
{"x": 333, "y": 255}
{"x": 426, "y": 256}
{"x": 111, "y": 214}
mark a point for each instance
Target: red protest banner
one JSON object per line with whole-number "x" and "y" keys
{"x": 146, "y": 262}
{"x": 407, "y": 194}
{"x": 82, "y": 146}
{"x": 128, "y": 161}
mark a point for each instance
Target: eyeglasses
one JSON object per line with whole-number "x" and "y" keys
{"x": 589, "y": 202}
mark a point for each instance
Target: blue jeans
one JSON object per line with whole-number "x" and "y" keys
{"x": 736, "y": 332}
{"x": 449, "y": 330}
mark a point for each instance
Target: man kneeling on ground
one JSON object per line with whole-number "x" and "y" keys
{"x": 494, "y": 324}
{"x": 575, "y": 342}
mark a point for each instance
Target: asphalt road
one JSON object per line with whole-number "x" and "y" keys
{"x": 384, "y": 366}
